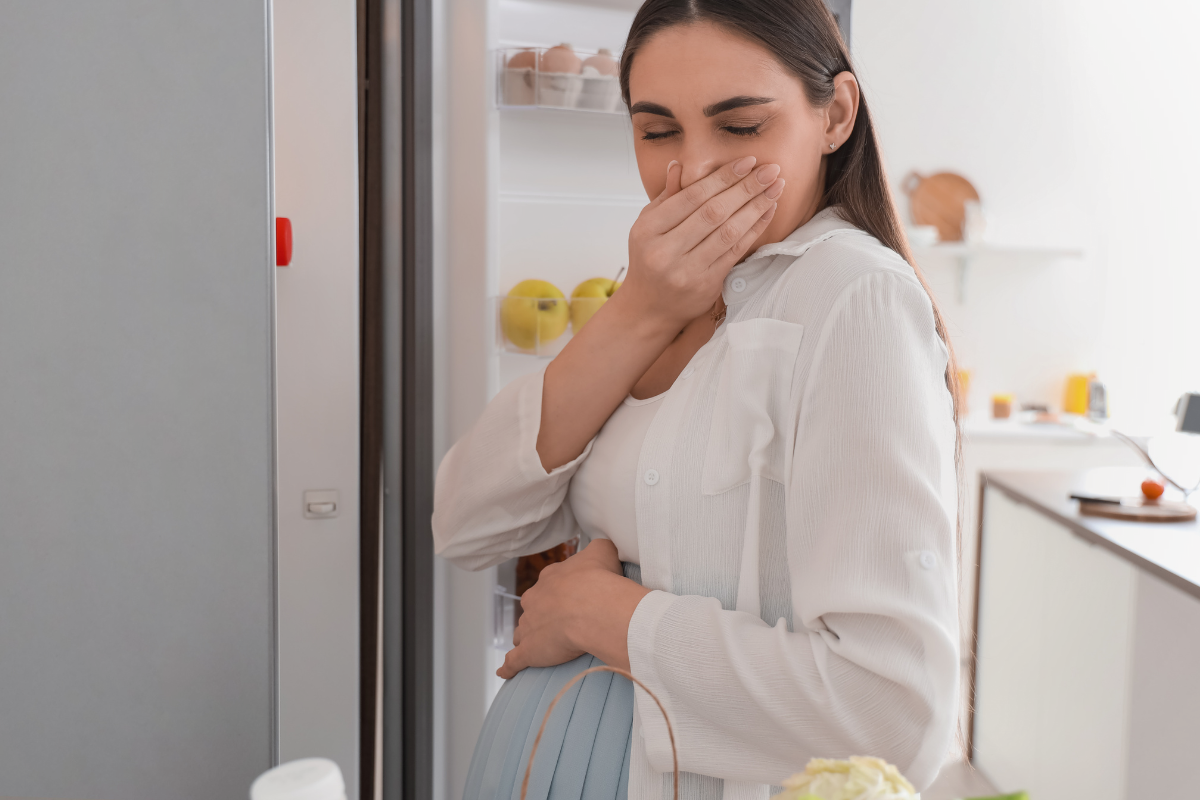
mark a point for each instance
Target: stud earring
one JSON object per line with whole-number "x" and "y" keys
{"x": 832, "y": 146}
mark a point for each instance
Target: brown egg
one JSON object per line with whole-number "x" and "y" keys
{"x": 602, "y": 62}
{"x": 526, "y": 59}
{"x": 561, "y": 59}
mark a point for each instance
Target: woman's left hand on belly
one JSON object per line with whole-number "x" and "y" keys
{"x": 582, "y": 605}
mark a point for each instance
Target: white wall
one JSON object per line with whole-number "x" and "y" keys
{"x": 987, "y": 90}
{"x": 1138, "y": 66}
{"x": 316, "y": 186}
{"x": 1075, "y": 122}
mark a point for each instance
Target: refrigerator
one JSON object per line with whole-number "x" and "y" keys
{"x": 137, "y": 453}
{"x": 178, "y": 611}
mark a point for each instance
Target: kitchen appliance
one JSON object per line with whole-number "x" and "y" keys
{"x": 138, "y": 473}
{"x": 1187, "y": 413}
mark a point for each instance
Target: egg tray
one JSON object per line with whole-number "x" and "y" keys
{"x": 530, "y": 87}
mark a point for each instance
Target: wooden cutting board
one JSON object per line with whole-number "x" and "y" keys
{"x": 940, "y": 200}
{"x": 1137, "y": 510}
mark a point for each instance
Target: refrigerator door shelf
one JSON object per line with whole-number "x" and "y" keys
{"x": 505, "y": 612}
{"x": 522, "y": 84}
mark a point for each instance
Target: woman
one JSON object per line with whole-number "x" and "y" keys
{"x": 766, "y": 442}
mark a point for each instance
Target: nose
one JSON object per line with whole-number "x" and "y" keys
{"x": 699, "y": 161}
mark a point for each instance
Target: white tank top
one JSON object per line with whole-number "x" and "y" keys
{"x": 602, "y": 490}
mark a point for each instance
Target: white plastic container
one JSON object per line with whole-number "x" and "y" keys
{"x": 599, "y": 92}
{"x": 559, "y": 89}
{"x": 519, "y": 87}
{"x": 304, "y": 779}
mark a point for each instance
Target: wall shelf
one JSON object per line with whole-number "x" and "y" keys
{"x": 966, "y": 254}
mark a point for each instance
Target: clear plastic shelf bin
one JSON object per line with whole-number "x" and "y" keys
{"x": 505, "y": 621}
{"x": 524, "y": 83}
{"x": 540, "y": 326}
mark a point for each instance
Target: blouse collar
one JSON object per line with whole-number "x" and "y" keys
{"x": 745, "y": 279}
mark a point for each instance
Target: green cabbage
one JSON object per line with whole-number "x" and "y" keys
{"x": 856, "y": 778}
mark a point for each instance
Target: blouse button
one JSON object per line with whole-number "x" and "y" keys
{"x": 651, "y": 477}
{"x": 738, "y": 284}
{"x": 928, "y": 560}
{"x": 687, "y": 372}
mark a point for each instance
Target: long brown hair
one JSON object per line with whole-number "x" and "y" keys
{"x": 804, "y": 37}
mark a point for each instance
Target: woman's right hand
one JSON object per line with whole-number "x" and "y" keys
{"x": 687, "y": 240}
{"x": 680, "y": 250}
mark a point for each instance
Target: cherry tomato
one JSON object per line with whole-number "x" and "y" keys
{"x": 1152, "y": 488}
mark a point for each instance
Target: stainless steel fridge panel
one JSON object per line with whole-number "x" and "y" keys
{"x": 136, "y": 404}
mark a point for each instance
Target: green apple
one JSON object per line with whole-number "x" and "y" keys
{"x": 535, "y": 312}
{"x": 587, "y": 299}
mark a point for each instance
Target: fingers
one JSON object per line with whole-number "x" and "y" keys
{"x": 547, "y": 571}
{"x": 751, "y": 192}
{"x": 744, "y": 227}
{"x": 606, "y": 554}
{"x": 514, "y": 662}
{"x": 684, "y": 202}
{"x": 601, "y": 547}
{"x": 674, "y": 176}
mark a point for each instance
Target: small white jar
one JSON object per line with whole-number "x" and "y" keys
{"x": 304, "y": 779}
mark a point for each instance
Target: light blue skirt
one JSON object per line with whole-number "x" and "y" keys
{"x": 584, "y": 753}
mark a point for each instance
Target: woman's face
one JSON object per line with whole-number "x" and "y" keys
{"x": 703, "y": 96}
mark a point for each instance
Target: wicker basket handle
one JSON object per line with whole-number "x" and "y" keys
{"x": 572, "y": 682}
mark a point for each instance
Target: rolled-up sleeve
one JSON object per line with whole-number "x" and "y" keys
{"x": 869, "y": 662}
{"x": 493, "y": 499}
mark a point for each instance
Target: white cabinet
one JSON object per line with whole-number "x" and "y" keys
{"x": 990, "y": 445}
{"x": 1085, "y": 680}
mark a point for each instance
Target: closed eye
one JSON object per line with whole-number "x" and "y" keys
{"x": 741, "y": 130}
{"x": 649, "y": 135}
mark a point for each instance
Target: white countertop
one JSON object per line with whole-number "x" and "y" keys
{"x": 1020, "y": 427}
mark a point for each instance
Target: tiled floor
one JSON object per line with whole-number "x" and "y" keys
{"x": 958, "y": 780}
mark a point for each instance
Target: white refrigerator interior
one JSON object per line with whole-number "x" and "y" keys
{"x": 567, "y": 188}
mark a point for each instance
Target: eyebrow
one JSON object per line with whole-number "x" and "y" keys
{"x": 741, "y": 101}
{"x": 651, "y": 108}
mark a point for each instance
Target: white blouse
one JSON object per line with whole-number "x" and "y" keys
{"x": 602, "y": 490}
{"x": 795, "y": 518}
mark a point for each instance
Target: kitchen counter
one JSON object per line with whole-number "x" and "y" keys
{"x": 1020, "y": 427}
{"x": 1168, "y": 550}
{"x": 1087, "y": 637}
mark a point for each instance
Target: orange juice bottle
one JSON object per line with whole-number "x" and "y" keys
{"x": 1076, "y": 400}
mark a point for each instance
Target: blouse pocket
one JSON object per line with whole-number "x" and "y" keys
{"x": 752, "y": 405}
